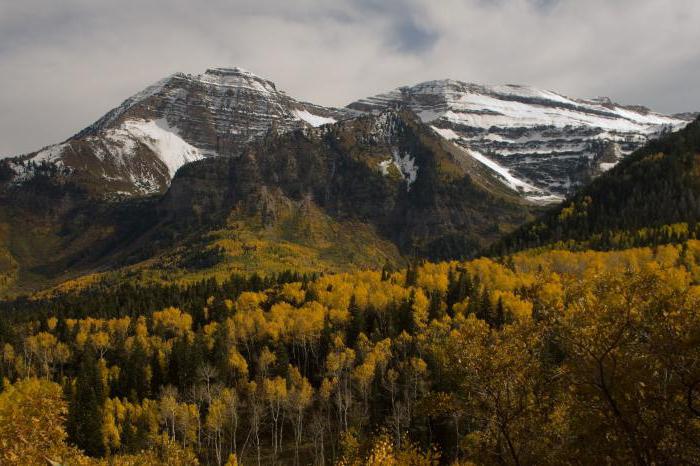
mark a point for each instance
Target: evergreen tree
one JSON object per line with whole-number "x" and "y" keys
{"x": 358, "y": 323}
{"x": 499, "y": 318}
{"x": 435, "y": 309}
{"x": 85, "y": 413}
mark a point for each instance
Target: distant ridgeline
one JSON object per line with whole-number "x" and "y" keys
{"x": 652, "y": 197}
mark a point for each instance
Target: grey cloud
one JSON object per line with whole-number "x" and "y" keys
{"x": 63, "y": 64}
{"x": 410, "y": 37}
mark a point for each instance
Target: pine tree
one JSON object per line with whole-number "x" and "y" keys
{"x": 85, "y": 413}
{"x": 499, "y": 318}
{"x": 435, "y": 310}
{"x": 358, "y": 322}
{"x": 485, "y": 308}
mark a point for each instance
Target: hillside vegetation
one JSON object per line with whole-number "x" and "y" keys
{"x": 551, "y": 358}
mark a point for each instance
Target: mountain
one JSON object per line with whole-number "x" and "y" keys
{"x": 542, "y": 143}
{"x": 537, "y": 142}
{"x": 389, "y": 170}
{"x": 136, "y": 148}
{"x": 649, "y": 198}
{"x": 360, "y": 193}
{"x": 211, "y": 174}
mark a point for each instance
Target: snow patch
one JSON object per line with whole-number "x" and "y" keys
{"x": 446, "y": 133}
{"x": 426, "y": 116}
{"x": 313, "y": 120}
{"x": 51, "y": 154}
{"x": 544, "y": 199}
{"x": 405, "y": 164}
{"x": 503, "y": 173}
{"x": 237, "y": 78}
{"x": 165, "y": 141}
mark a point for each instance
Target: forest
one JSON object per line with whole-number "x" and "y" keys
{"x": 539, "y": 357}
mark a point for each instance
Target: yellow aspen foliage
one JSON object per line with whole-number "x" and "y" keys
{"x": 326, "y": 390}
{"x": 42, "y": 347}
{"x": 517, "y": 308}
{"x": 171, "y": 322}
{"x": 110, "y": 433}
{"x": 8, "y": 354}
{"x": 209, "y": 331}
{"x": 340, "y": 358}
{"x": 420, "y": 308}
{"x": 265, "y": 360}
{"x": 70, "y": 324}
{"x": 338, "y": 317}
{"x": 237, "y": 363}
{"x": 51, "y": 323}
{"x": 433, "y": 277}
{"x": 275, "y": 389}
{"x": 460, "y": 308}
{"x": 141, "y": 327}
{"x": 249, "y": 301}
{"x": 119, "y": 327}
{"x": 32, "y": 416}
{"x": 293, "y": 293}
{"x": 301, "y": 392}
{"x": 100, "y": 341}
{"x": 81, "y": 338}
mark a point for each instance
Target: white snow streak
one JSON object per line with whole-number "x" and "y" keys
{"x": 164, "y": 141}
{"x": 510, "y": 180}
{"x": 405, "y": 164}
{"x": 313, "y": 120}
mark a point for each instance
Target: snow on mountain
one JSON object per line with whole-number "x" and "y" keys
{"x": 220, "y": 110}
{"x": 313, "y": 120}
{"x": 538, "y": 142}
{"x": 164, "y": 141}
{"x": 404, "y": 163}
{"x": 137, "y": 147}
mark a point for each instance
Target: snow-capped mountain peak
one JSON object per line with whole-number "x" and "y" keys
{"x": 137, "y": 147}
{"x": 546, "y": 143}
{"x": 538, "y": 142}
{"x": 236, "y": 78}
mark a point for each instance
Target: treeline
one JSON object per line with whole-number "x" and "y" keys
{"x": 609, "y": 240}
{"x": 549, "y": 358}
{"x": 127, "y": 297}
{"x": 633, "y": 204}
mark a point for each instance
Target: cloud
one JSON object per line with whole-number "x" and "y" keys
{"x": 63, "y": 64}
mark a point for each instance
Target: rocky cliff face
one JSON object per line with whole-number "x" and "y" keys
{"x": 136, "y": 148}
{"x": 388, "y": 170}
{"x": 539, "y": 142}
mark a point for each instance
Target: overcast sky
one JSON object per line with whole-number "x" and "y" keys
{"x": 63, "y": 63}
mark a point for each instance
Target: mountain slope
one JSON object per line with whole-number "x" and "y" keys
{"x": 421, "y": 192}
{"x": 543, "y": 143}
{"x": 136, "y": 148}
{"x": 356, "y": 194}
{"x": 653, "y": 196}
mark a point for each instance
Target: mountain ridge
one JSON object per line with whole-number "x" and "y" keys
{"x": 548, "y": 142}
{"x": 135, "y": 148}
